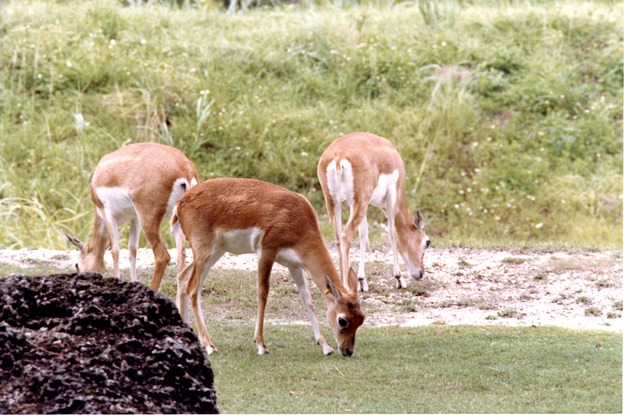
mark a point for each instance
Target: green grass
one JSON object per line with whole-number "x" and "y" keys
{"x": 421, "y": 370}
{"x": 436, "y": 369}
{"x": 508, "y": 114}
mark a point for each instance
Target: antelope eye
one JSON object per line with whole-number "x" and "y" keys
{"x": 77, "y": 267}
{"x": 342, "y": 321}
{"x": 428, "y": 242}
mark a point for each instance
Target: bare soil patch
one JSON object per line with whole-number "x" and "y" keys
{"x": 463, "y": 286}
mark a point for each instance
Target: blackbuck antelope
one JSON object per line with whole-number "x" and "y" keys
{"x": 363, "y": 169}
{"x": 242, "y": 216}
{"x": 141, "y": 183}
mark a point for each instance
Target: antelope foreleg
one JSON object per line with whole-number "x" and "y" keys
{"x": 391, "y": 230}
{"x": 364, "y": 240}
{"x": 112, "y": 233}
{"x": 300, "y": 281}
{"x": 265, "y": 263}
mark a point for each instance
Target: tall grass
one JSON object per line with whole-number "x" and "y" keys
{"x": 508, "y": 114}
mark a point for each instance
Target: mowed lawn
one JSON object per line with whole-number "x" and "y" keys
{"x": 421, "y": 370}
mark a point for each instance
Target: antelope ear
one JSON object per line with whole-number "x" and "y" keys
{"x": 352, "y": 281}
{"x": 74, "y": 241}
{"x": 418, "y": 220}
{"x": 331, "y": 288}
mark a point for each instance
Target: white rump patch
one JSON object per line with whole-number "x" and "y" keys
{"x": 180, "y": 186}
{"x": 340, "y": 183}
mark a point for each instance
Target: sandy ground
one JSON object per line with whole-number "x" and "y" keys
{"x": 462, "y": 286}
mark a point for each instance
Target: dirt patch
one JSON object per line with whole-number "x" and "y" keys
{"x": 513, "y": 288}
{"x": 462, "y": 286}
{"x": 83, "y": 344}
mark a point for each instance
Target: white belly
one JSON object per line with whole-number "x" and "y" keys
{"x": 385, "y": 186}
{"x": 249, "y": 241}
{"x": 242, "y": 241}
{"x": 117, "y": 203}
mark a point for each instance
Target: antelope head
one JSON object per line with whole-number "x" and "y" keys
{"x": 344, "y": 313}
{"x": 413, "y": 246}
{"x": 89, "y": 261}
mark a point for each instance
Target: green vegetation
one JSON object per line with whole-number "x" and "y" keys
{"x": 508, "y": 114}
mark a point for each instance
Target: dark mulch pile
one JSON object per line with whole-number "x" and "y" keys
{"x": 79, "y": 343}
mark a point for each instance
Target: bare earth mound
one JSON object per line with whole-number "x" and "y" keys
{"x": 81, "y": 343}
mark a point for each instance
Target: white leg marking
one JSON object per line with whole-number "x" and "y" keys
{"x": 341, "y": 189}
{"x": 339, "y": 239}
{"x": 112, "y": 230}
{"x": 391, "y": 227}
{"x": 118, "y": 208}
{"x": 134, "y": 238}
{"x": 365, "y": 242}
{"x": 299, "y": 279}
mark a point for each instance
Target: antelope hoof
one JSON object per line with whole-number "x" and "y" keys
{"x": 400, "y": 282}
{"x": 362, "y": 284}
{"x": 211, "y": 350}
{"x": 327, "y": 349}
{"x": 262, "y": 349}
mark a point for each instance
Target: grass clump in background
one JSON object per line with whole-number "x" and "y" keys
{"x": 508, "y": 115}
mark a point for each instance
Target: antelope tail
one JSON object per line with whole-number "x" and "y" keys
{"x": 174, "y": 219}
{"x": 175, "y": 226}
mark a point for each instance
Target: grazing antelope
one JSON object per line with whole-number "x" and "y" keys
{"x": 242, "y": 216}
{"x": 362, "y": 169}
{"x": 139, "y": 182}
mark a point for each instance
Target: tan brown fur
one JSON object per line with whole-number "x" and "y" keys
{"x": 370, "y": 157}
{"x": 146, "y": 172}
{"x": 209, "y": 213}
